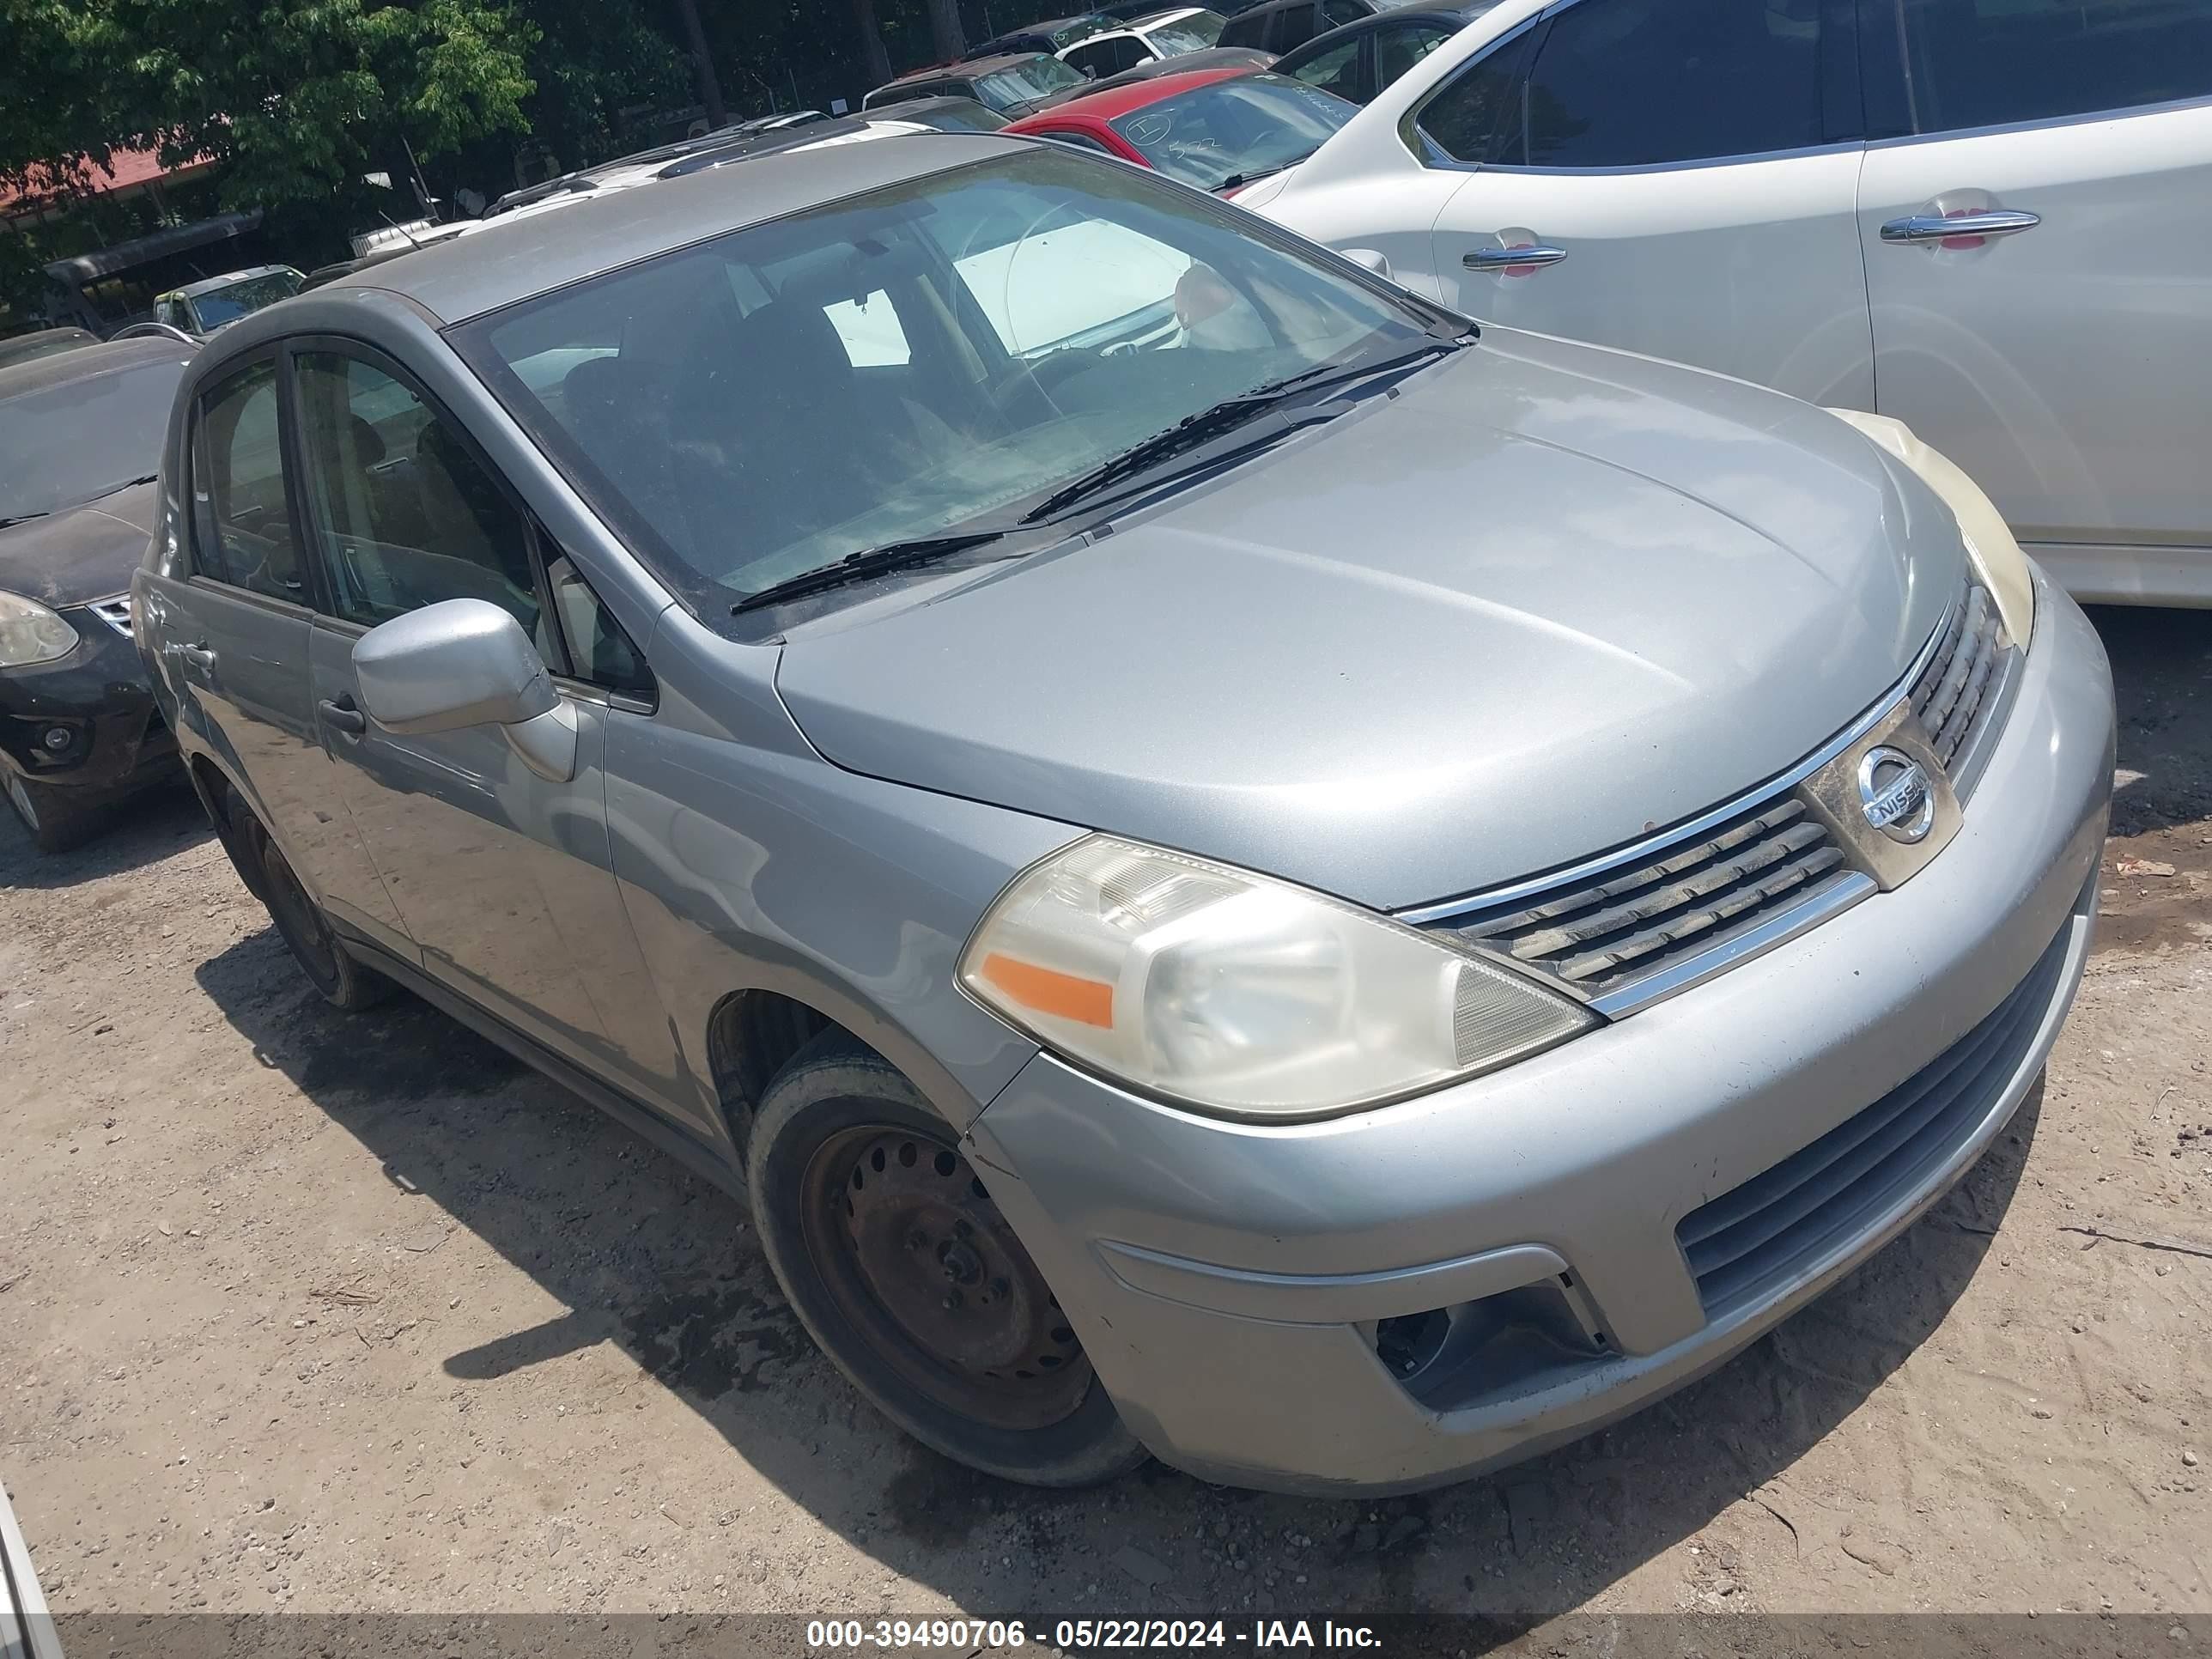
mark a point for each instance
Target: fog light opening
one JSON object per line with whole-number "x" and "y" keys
{"x": 1511, "y": 1343}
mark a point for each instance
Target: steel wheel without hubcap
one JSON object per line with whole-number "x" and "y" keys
{"x": 298, "y": 918}
{"x": 919, "y": 1260}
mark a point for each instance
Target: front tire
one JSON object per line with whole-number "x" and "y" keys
{"x": 901, "y": 1269}
{"x": 343, "y": 982}
{"x": 56, "y": 819}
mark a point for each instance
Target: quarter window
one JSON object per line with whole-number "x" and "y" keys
{"x": 1477, "y": 116}
{"x": 1621, "y": 84}
{"x": 1967, "y": 64}
{"x": 1336, "y": 13}
{"x": 405, "y": 515}
{"x": 242, "y": 528}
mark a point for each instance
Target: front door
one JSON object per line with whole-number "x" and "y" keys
{"x": 501, "y": 875}
{"x": 2038, "y": 252}
{"x": 1675, "y": 177}
{"x": 235, "y": 631}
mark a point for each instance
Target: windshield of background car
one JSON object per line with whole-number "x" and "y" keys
{"x": 1040, "y": 77}
{"x": 1081, "y": 29}
{"x": 74, "y": 441}
{"x": 228, "y": 305}
{"x": 1195, "y": 32}
{"x": 1224, "y": 129}
{"x": 917, "y": 360}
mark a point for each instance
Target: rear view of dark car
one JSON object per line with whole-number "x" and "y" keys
{"x": 79, "y": 439}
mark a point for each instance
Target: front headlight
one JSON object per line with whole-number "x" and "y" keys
{"x": 1233, "y": 992}
{"x": 30, "y": 633}
{"x": 1998, "y": 563}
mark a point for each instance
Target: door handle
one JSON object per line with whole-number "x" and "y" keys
{"x": 342, "y": 716}
{"x": 196, "y": 656}
{"x": 1971, "y": 228}
{"x": 1512, "y": 258}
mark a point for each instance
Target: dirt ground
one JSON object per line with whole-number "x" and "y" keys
{"x": 305, "y": 1311}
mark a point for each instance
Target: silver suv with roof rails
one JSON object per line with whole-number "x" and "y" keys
{"x": 1238, "y": 868}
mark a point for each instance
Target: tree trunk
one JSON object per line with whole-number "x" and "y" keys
{"x": 873, "y": 57}
{"x": 945, "y": 29}
{"x": 710, "y": 90}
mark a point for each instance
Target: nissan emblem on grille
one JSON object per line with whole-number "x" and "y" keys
{"x": 1894, "y": 794}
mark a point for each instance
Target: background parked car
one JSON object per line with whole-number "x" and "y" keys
{"x": 26, "y": 1628}
{"x": 1219, "y": 128}
{"x": 80, "y": 442}
{"x": 1277, "y": 25}
{"x": 1358, "y": 60}
{"x": 940, "y": 114}
{"x": 1170, "y": 34}
{"x": 200, "y": 308}
{"x": 1055, "y": 35}
{"x": 1990, "y": 226}
{"x": 1014, "y": 85}
{"x": 44, "y": 343}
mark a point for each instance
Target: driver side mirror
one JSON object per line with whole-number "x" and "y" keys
{"x": 1368, "y": 259}
{"x": 462, "y": 663}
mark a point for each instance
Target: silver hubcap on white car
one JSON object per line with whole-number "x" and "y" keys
{"x": 22, "y": 798}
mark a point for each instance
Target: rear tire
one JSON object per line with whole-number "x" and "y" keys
{"x": 893, "y": 1256}
{"x": 56, "y": 819}
{"x": 345, "y": 983}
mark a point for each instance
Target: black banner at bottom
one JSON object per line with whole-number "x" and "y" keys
{"x": 1386, "y": 1636}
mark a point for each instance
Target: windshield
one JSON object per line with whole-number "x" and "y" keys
{"x": 910, "y": 362}
{"x": 228, "y": 305}
{"x": 64, "y": 444}
{"x": 1195, "y": 32}
{"x": 1239, "y": 128}
{"x": 1040, "y": 77}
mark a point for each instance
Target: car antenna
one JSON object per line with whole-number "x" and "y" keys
{"x": 401, "y": 228}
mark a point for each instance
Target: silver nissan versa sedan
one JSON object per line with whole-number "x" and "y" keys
{"x": 1242, "y": 869}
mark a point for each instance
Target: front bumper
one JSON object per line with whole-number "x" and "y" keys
{"x": 1227, "y": 1279}
{"x": 99, "y": 695}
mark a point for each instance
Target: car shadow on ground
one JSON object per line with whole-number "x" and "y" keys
{"x": 136, "y": 832}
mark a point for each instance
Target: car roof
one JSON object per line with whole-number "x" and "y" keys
{"x": 1108, "y": 102}
{"x": 516, "y": 256}
{"x": 210, "y": 284}
{"x": 88, "y": 363}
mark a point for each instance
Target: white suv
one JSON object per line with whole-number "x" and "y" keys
{"x": 1982, "y": 217}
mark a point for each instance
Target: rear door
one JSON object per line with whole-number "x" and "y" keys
{"x": 502, "y": 877}
{"x": 235, "y": 633}
{"x": 1677, "y": 177}
{"x": 2037, "y": 237}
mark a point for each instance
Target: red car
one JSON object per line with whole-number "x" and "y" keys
{"x": 1219, "y": 128}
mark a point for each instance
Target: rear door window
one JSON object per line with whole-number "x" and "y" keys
{"x": 1961, "y": 64}
{"x": 1399, "y": 47}
{"x": 242, "y": 524}
{"x": 1336, "y": 70}
{"x": 1624, "y": 83}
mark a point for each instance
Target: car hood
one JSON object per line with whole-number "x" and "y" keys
{"x": 1548, "y": 599}
{"x": 79, "y": 553}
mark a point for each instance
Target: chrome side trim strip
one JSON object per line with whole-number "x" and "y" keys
{"x": 1652, "y": 845}
{"x": 1837, "y": 895}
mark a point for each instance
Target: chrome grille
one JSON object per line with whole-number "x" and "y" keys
{"x": 1634, "y": 921}
{"x": 1959, "y": 690}
{"x": 116, "y": 613}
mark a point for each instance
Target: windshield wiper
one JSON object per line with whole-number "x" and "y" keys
{"x": 21, "y": 518}
{"x": 1194, "y": 430}
{"x": 1253, "y": 177}
{"x": 868, "y": 561}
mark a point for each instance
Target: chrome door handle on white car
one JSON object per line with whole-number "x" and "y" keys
{"x": 1512, "y": 258}
{"x": 1937, "y": 228}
